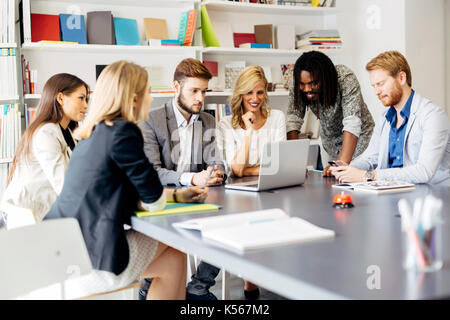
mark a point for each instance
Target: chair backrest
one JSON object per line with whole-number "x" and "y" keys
{"x": 39, "y": 255}
{"x": 17, "y": 217}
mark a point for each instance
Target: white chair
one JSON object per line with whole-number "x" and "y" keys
{"x": 37, "y": 259}
{"x": 40, "y": 255}
{"x": 16, "y": 217}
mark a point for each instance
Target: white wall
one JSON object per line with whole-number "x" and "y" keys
{"x": 369, "y": 27}
{"x": 447, "y": 53}
{"x": 413, "y": 27}
{"x": 425, "y": 47}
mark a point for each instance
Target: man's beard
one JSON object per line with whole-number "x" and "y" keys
{"x": 394, "y": 98}
{"x": 183, "y": 105}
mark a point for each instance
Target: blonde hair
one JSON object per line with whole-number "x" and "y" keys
{"x": 116, "y": 88}
{"x": 245, "y": 82}
{"x": 393, "y": 62}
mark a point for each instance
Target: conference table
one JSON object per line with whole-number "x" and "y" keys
{"x": 363, "y": 260}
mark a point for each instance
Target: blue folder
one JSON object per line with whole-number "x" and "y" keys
{"x": 72, "y": 28}
{"x": 126, "y": 32}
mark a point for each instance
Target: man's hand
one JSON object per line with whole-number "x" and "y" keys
{"x": 348, "y": 174}
{"x": 192, "y": 194}
{"x": 216, "y": 178}
{"x": 328, "y": 173}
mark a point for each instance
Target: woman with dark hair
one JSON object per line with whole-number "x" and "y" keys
{"x": 333, "y": 94}
{"x": 37, "y": 173}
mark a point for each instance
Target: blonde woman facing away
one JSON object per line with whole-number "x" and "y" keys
{"x": 242, "y": 135}
{"x": 108, "y": 175}
{"x": 40, "y": 162}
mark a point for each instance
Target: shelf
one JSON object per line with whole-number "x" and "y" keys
{"x": 261, "y": 52}
{"x": 35, "y": 96}
{"x": 8, "y": 45}
{"x": 13, "y": 98}
{"x": 8, "y": 160}
{"x": 99, "y": 48}
{"x": 223, "y": 94}
{"x": 137, "y": 3}
{"x": 241, "y": 7}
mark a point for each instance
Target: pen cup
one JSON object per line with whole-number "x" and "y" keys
{"x": 422, "y": 249}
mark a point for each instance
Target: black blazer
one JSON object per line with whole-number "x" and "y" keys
{"x": 107, "y": 175}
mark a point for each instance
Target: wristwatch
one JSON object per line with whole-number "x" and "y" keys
{"x": 369, "y": 175}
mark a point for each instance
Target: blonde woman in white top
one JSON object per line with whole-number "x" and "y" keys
{"x": 37, "y": 173}
{"x": 242, "y": 135}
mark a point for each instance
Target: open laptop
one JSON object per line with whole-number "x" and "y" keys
{"x": 283, "y": 164}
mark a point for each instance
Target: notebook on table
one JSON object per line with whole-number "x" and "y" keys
{"x": 256, "y": 229}
{"x": 383, "y": 186}
{"x": 283, "y": 164}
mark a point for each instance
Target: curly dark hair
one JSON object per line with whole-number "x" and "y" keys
{"x": 323, "y": 71}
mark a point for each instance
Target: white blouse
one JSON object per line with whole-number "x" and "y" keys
{"x": 37, "y": 182}
{"x": 229, "y": 140}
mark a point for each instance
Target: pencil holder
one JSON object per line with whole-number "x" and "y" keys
{"x": 422, "y": 249}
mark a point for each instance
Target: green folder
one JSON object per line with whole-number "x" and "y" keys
{"x": 176, "y": 208}
{"x": 208, "y": 34}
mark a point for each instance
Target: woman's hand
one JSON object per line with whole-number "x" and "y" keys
{"x": 249, "y": 120}
{"x": 192, "y": 194}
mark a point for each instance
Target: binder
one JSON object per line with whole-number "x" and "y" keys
{"x": 44, "y": 27}
{"x": 73, "y": 28}
{"x": 126, "y": 32}
{"x": 100, "y": 28}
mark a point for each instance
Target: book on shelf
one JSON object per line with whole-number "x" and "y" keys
{"x": 240, "y": 38}
{"x": 382, "y": 186}
{"x": 264, "y": 34}
{"x": 209, "y": 37}
{"x": 218, "y": 110}
{"x": 7, "y": 21}
{"x": 256, "y": 45}
{"x": 73, "y": 28}
{"x": 30, "y": 114}
{"x": 100, "y": 27}
{"x": 11, "y": 129}
{"x": 190, "y": 28}
{"x": 44, "y": 27}
{"x": 212, "y": 66}
{"x": 155, "y": 28}
{"x": 253, "y": 230}
{"x": 183, "y": 26}
{"x": 8, "y": 74}
{"x": 285, "y": 36}
{"x": 29, "y": 77}
{"x": 126, "y": 31}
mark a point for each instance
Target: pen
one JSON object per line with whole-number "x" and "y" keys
{"x": 209, "y": 176}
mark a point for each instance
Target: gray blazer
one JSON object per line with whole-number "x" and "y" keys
{"x": 426, "y": 148}
{"x": 161, "y": 144}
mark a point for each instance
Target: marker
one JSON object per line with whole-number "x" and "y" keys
{"x": 209, "y": 176}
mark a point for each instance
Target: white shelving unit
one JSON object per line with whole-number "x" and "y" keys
{"x": 242, "y": 7}
{"x": 259, "y": 52}
{"x": 8, "y": 45}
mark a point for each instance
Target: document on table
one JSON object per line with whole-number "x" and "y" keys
{"x": 256, "y": 229}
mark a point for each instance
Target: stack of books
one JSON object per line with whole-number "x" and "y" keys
{"x": 29, "y": 77}
{"x": 10, "y": 129}
{"x": 7, "y": 15}
{"x": 8, "y": 78}
{"x": 319, "y": 40}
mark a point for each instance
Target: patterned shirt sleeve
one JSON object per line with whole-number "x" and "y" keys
{"x": 351, "y": 101}
{"x": 294, "y": 119}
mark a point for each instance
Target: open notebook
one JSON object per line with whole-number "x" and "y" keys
{"x": 256, "y": 229}
{"x": 383, "y": 186}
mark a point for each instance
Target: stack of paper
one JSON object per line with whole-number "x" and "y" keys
{"x": 257, "y": 229}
